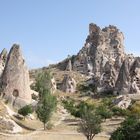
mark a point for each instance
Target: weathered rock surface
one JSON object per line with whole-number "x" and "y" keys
{"x": 3, "y": 58}
{"x": 102, "y": 56}
{"x": 105, "y": 62}
{"x": 7, "y": 125}
{"x": 129, "y": 77}
{"x": 69, "y": 66}
{"x": 68, "y": 84}
{"x": 122, "y": 101}
{"x": 53, "y": 85}
{"x": 15, "y": 79}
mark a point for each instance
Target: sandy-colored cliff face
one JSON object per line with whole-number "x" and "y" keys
{"x": 15, "y": 79}
{"x": 104, "y": 60}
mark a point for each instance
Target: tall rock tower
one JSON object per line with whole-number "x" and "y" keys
{"x": 102, "y": 55}
{"x": 3, "y": 57}
{"x": 15, "y": 79}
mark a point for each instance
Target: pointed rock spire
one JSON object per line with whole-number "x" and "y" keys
{"x": 15, "y": 79}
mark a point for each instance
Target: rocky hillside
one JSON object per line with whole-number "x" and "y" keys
{"x": 103, "y": 60}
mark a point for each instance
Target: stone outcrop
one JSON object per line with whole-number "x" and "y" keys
{"x": 103, "y": 60}
{"x": 129, "y": 77}
{"x": 53, "y": 85}
{"x": 102, "y": 56}
{"x": 122, "y": 84}
{"x": 102, "y": 45}
{"x": 69, "y": 66}
{"x": 15, "y": 79}
{"x": 122, "y": 101}
{"x": 68, "y": 84}
{"x": 3, "y": 58}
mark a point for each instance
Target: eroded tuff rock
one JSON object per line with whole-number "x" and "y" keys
{"x": 15, "y": 79}
{"x": 122, "y": 101}
{"x": 129, "y": 77}
{"x": 68, "y": 84}
{"x": 3, "y": 58}
{"x": 102, "y": 45}
{"x": 69, "y": 66}
{"x": 104, "y": 61}
{"x": 102, "y": 56}
{"x": 53, "y": 85}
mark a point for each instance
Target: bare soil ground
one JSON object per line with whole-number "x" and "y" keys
{"x": 65, "y": 128}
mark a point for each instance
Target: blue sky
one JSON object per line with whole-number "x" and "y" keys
{"x": 49, "y": 30}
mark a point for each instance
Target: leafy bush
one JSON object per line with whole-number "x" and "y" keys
{"x": 103, "y": 111}
{"x": 129, "y": 130}
{"x": 49, "y": 126}
{"x": 85, "y": 88}
{"x": 25, "y": 110}
{"x": 70, "y": 106}
{"x": 135, "y": 108}
{"x": 76, "y": 110}
{"x": 90, "y": 124}
{"x": 119, "y": 111}
{"x": 108, "y": 101}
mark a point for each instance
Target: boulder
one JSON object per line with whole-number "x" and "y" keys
{"x": 122, "y": 101}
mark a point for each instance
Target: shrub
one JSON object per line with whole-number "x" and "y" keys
{"x": 85, "y": 88}
{"x": 90, "y": 124}
{"x": 129, "y": 130}
{"x": 103, "y": 111}
{"x": 49, "y": 126}
{"x": 135, "y": 108}
{"x": 76, "y": 110}
{"x": 119, "y": 111}
{"x": 25, "y": 110}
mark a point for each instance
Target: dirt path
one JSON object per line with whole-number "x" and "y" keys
{"x": 49, "y": 136}
{"x": 65, "y": 128}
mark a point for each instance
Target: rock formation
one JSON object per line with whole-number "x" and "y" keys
{"x": 15, "y": 79}
{"x": 122, "y": 101}
{"x": 68, "y": 84}
{"x": 102, "y": 45}
{"x": 122, "y": 84}
{"x": 53, "y": 85}
{"x": 3, "y": 57}
{"x": 102, "y": 56}
{"x": 69, "y": 66}
{"x": 104, "y": 61}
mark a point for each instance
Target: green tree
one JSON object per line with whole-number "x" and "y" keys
{"x": 43, "y": 82}
{"x": 25, "y": 110}
{"x": 129, "y": 130}
{"x": 47, "y": 102}
{"x": 104, "y": 112}
{"x": 45, "y": 107}
{"x": 90, "y": 124}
